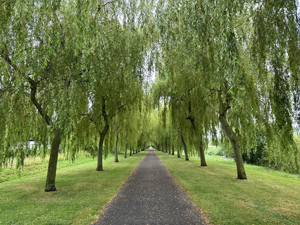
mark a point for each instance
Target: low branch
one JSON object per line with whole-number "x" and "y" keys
{"x": 33, "y": 85}
{"x": 33, "y": 88}
{"x": 120, "y": 107}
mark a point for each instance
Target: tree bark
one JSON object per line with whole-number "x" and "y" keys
{"x": 178, "y": 153}
{"x": 297, "y": 164}
{"x": 201, "y": 149}
{"x": 100, "y": 149}
{"x": 166, "y": 142}
{"x": 173, "y": 150}
{"x": 241, "y": 173}
{"x": 223, "y": 107}
{"x": 125, "y": 154}
{"x": 130, "y": 152}
{"x": 116, "y": 150}
{"x": 52, "y": 166}
{"x": 202, "y": 155}
{"x": 184, "y": 147}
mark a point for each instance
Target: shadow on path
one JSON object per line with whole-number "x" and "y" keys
{"x": 150, "y": 196}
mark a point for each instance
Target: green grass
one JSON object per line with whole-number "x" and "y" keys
{"x": 267, "y": 197}
{"x": 81, "y": 192}
{"x": 34, "y": 165}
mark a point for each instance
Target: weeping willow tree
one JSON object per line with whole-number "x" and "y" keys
{"x": 115, "y": 46}
{"x": 275, "y": 50}
{"x": 129, "y": 128}
{"x": 38, "y": 61}
{"x": 216, "y": 49}
{"x": 65, "y": 64}
{"x": 186, "y": 115}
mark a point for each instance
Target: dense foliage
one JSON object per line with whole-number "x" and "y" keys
{"x": 232, "y": 61}
{"x": 75, "y": 76}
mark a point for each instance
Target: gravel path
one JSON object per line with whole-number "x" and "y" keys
{"x": 150, "y": 196}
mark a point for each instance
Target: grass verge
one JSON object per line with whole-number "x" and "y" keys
{"x": 267, "y": 197}
{"x": 81, "y": 192}
{"x": 35, "y": 165}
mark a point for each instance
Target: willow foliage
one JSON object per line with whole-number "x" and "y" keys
{"x": 74, "y": 71}
{"x": 68, "y": 68}
{"x": 235, "y": 59}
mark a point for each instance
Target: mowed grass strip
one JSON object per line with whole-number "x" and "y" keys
{"x": 81, "y": 193}
{"x": 267, "y": 197}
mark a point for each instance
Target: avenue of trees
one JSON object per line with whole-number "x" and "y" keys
{"x": 75, "y": 77}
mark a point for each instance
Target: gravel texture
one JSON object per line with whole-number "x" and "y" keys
{"x": 150, "y": 196}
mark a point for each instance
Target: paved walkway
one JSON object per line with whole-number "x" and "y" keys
{"x": 150, "y": 196}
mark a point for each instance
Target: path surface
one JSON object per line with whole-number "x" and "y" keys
{"x": 150, "y": 196}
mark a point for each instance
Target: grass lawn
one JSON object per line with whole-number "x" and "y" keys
{"x": 267, "y": 197}
{"x": 81, "y": 191}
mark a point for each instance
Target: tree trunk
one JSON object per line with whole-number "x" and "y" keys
{"x": 166, "y": 142}
{"x": 50, "y": 181}
{"x": 52, "y": 165}
{"x": 125, "y": 154}
{"x": 178, "y": 153}
{"x": 100, "y": 149}
{"x": 184, "y": 147}
{"x": 116, "y": 150}
{"x": 130, "y": 151}
{"x": 241, "y": 173}
{"x": 296, "y": 163}
{"x": 202, "y": 155}
{"x": 223, "y": 107}
{"x": 170, "y": 147}
{"x": 173, "y": 149}
{"x": 201, "y": 150}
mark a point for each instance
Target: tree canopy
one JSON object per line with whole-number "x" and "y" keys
{"x": 75, "y": 77}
